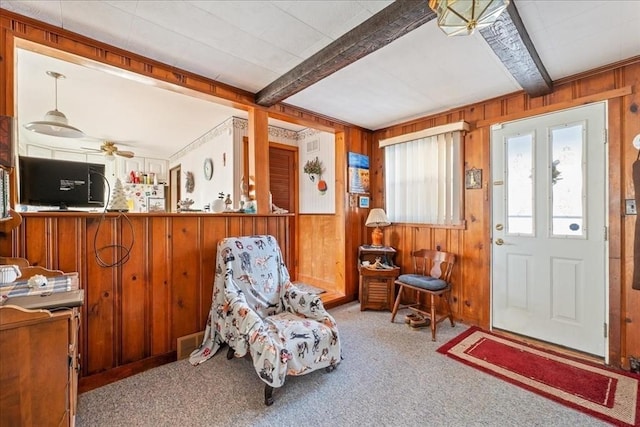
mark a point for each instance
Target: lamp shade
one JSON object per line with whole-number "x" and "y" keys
{"x": 462, "y": 17}
{"x": 55, "y": 123}
{"x": 377, "y": 218}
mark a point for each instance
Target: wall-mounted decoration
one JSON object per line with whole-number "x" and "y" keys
{"x": 6, "y": 141}
{"x": 189, "y": 184}
{"x": 313, "y": 168}
{"x": 473, "y": 179}
{"x": 358, "y": 173}
{"x": 208, "y": 169}
{"x": 363, "y": 201}
{"x": 322, "y": 186}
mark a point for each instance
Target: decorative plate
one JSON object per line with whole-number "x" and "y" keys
{"x": 208, "y": 169}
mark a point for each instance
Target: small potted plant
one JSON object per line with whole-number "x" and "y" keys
{"x": 313, "y": 168}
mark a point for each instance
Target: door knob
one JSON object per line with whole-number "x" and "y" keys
{"x": 499, "y": 242}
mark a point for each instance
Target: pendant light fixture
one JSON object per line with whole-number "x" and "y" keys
{"x": 55, "y": 123}
{"x": 462, "y": 17}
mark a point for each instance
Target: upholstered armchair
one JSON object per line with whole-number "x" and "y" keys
{"x": 257, "y": 310}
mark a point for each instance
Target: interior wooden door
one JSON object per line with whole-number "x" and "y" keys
{"x": 282, "y": 176}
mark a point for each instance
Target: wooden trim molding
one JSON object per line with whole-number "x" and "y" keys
{"x": 609, "y": 94}
{"x": 24, "y": 32}
{"x": 425, "y": 133}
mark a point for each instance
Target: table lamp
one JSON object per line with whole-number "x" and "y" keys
{"x": 377, "y": 218}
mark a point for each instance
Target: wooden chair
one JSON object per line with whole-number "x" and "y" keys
{"x": 431, "y": 277}
{"x": 20, "y": 262}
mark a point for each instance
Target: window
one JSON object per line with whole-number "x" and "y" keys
{"x": 424, "y": 176}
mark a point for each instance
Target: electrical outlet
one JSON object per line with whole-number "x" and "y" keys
{"x": 630, "y": 207}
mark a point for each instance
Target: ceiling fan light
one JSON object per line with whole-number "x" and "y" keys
{"x": 463, "y": 17}
{"x": 110, "y": 157}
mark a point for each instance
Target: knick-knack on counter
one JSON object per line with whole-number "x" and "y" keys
{"x": 218, "y": 204}
{"x": 228, "y": 202}
{"x": 118, "y": 198}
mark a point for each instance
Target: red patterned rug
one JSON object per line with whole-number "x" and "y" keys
{"x": 604, "y": 393}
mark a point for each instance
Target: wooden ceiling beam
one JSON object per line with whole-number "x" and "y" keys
{"x": 392, "y": 22}
{"x": 511, "y": 43}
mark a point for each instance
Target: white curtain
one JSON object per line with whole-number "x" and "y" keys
{"x": 423, "y": 180}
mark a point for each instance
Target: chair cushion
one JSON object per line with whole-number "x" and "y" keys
{"x": 425, "y": 282}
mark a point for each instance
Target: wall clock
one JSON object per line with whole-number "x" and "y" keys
{"x": 208, "y": 169}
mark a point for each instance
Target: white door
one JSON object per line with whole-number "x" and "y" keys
{"x": 549, "y": 268}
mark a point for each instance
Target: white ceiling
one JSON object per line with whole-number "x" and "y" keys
{"x": 248, "y": 44}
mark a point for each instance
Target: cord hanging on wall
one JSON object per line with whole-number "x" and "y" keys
{"x": 635, "y": 173}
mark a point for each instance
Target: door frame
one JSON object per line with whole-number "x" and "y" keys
{"x": 174, "y": 188}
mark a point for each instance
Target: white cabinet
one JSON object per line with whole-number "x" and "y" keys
{"x": 73, "y": 156}
{"x": 120, "y": 168}
{"x": 37, "y": 151}
{"x": 158, "y": 167}
{"x": 126, "y": 165}
{"x": 142, "y": 164}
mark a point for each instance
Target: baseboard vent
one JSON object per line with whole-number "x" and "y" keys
{"x": 188, "y": 343}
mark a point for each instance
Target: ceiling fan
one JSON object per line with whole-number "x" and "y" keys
{"x": 110, "y": 150}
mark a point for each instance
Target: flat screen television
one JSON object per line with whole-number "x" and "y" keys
{"x": 61, "y": 183}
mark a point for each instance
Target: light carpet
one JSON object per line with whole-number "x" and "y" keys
{"x": 390, "y": 376}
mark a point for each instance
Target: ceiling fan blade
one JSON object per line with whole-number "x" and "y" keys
{"x": 128, "y": 154}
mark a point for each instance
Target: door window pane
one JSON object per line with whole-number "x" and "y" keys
{"x": 567, "y": 180}
{"x": 520, "y": 205}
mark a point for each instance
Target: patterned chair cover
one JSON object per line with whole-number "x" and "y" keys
{"x": 256, "y": 309}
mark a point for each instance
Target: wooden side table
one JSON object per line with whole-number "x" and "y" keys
{"x": 377, "y": 287}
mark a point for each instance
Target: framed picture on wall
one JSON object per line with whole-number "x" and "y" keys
{"x": 156, "y": 204}
{"x": 473, "y": 179}
{"x": 363, "y": 201}
{"x": 358, "y": 173}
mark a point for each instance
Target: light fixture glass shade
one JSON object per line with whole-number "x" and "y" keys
{"x": 55, "y": 123}
{"x": 462, "y": 17}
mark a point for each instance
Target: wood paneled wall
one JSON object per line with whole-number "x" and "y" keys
{"x": 318, "y": 243}
{"x": 161, "y": 289}
{"x": 619, "y": 85}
